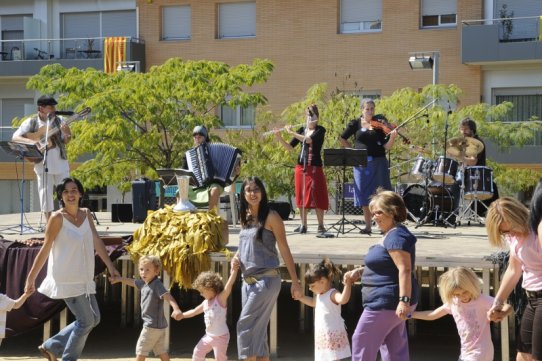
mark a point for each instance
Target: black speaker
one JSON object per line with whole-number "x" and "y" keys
{"x": 143, "y": 198}
{"x": 282, "y": 208}
{"x": 121, "y": 212}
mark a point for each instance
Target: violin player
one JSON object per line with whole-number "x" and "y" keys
{"x": 376, "y": 137}
{"x": 56, "y": 167}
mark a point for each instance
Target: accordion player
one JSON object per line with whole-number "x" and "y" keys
{"x": 213, "y": 163}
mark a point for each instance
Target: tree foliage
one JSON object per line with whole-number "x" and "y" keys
{"x": 143, "y": 121}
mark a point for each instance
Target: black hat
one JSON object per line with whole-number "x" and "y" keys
{"x": 45, "y": 100}
{"x": 201, "y": 130}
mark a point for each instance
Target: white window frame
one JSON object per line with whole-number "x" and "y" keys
{"x": 495, "y": 92}
{"x": 176, "y": 23}
{"x": 236, "y": 20}
{"x": 362, "y": 94}
{"x": 360, "y": 16}
{"x": 439, "y": 9}
{"x": 239, "y": 113}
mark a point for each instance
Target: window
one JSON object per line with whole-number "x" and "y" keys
{"x": 527, "y": 104}
{"x": 360, "y": 16}
{"x": 12, "y": 30}
{"x": 176, "y": 22}
{"x": 439, "y": 13}
{"x": 237, "y": 20}
{"x": 95, "y": 24}
{"x": 12, "y": 108}
{"x": 238, "y": 117}
{"x": 362, "y": 94}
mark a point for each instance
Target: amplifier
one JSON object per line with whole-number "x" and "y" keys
{"x": 282, "y": 208}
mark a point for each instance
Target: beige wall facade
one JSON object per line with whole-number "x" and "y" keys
{"x": 302, "y": 39}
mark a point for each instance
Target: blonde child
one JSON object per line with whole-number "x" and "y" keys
{"x": 459, "y": 289}
{"x": 330, "y": 337}
{"x": 214, "y": 306}
{"x": 6, "y": 305}
{"x": 153, "y": 295}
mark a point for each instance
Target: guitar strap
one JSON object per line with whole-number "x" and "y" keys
{"x": 56, "y": 138}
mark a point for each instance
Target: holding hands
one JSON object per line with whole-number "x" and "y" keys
{"x": 498, "y": 311}
{"x": 353, "y": 275}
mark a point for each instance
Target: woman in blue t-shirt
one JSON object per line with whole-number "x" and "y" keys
{"x": 389, "y": 289}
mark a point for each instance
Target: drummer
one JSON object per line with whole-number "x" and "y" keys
{"x": 467, "y": 128}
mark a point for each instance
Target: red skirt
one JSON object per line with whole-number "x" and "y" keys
{"x": 315, "y": 189}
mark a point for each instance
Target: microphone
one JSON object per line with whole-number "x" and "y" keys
{"x": 64, "y": 112}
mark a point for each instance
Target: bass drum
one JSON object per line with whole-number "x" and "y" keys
{"x": 419, "y": 203}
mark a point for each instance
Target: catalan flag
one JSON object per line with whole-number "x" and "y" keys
{"x": 114, "y": 53}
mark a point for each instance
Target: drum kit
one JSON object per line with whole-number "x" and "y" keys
{"x": 446, "y": 191}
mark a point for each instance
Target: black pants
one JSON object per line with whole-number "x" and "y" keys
{"x": 530, "y": 333}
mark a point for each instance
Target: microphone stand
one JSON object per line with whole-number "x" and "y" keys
{"x": 305, "y": 158}
{"x": 45, "y": 170}
{"x": 444, "y": 220}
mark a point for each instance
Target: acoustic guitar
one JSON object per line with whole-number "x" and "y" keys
{"x": 43, "y": 141}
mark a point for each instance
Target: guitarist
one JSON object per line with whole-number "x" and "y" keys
{"x": 33, "y": 130}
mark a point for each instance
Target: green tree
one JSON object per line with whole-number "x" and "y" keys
{"x": 143, "y": 121}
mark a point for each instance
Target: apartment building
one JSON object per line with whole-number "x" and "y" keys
{"x": 39, "y": 32}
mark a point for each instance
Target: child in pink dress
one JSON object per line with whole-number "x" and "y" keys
{"x": 330, "y": 337}
{"x": 214, "y": 306}
{"x": 459, "y": 289}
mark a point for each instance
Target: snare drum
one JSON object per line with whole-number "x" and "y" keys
{"x": 478, "y": 182}
{"x": 445, "y": 169}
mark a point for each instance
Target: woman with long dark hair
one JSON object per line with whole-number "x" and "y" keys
{"x": 70, "y": 242}
{"x": 262, "y": 230}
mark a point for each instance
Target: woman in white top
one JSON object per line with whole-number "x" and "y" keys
{"x": 70, "y": 242}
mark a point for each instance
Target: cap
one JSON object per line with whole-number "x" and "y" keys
{"x": 200, "y": 129}
{"x": 45, "y": 100}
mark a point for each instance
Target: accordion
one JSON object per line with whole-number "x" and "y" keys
{"x": 213, "y": 163}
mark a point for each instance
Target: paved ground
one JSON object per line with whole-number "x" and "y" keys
{"x": 432, "y": 341}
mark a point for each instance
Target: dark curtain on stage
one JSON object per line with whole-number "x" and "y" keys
{"x": 15, "y": 262}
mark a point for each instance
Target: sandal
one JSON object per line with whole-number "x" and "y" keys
{"x": 321, "y": 229}
{"x": 46, "y": 353}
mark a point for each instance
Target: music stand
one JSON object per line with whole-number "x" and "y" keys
{"x": 21, "y": 150}
{"x": 343, "y": 157}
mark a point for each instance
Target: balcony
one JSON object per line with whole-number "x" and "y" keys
{"x": 26, "y": 57}
{"x": 493, "y": 41}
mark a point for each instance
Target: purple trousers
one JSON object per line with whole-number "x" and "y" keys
{"x": 380, "y": 330}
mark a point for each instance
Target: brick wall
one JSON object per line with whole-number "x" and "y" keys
{"x": 301, "y": 38}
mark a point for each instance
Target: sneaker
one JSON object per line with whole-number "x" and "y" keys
{"x": 46, "y": 353}
{"x": 321, "y": 229}
{"x": 301, "y": 229}
{"x": 366, "y": 231}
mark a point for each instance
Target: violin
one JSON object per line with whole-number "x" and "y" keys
{"x": 380, "y": 122}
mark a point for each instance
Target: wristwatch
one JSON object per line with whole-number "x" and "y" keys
{"x": 404, "y": 299}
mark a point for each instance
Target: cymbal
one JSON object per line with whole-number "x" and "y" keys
{"x": 460, "y": 147}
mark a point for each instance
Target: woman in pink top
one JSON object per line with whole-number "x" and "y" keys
{"x": 507, "y": 224}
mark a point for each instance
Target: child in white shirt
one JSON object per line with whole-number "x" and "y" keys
{"x": 6, "y": 305}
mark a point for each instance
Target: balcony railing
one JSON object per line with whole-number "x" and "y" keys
{"x": 47, "y": 49}
{"x": 513, "y": 29}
